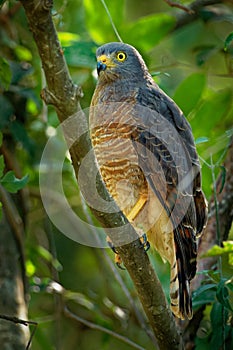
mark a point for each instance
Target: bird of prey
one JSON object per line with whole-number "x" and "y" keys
{"x": 146, "y": 155}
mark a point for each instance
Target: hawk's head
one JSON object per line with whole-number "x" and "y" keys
{"x": 119, "y": 61}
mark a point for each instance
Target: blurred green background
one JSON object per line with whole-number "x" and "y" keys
{"x": 193, "y": 63}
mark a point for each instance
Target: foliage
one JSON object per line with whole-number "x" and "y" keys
{"x": 195, "y": 65}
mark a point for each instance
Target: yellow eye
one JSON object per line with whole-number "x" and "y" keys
{"x": 121, "y": 56}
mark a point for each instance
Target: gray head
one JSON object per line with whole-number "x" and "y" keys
{"x": 119, "y": 61}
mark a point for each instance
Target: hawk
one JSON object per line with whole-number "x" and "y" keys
{"x": 146, "y": 155}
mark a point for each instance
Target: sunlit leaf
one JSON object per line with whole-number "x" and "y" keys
{"x": 190, "y": 91}
{"x": 23, "y": 53}
{"x": 12, "y": 183}
{"x": 30, "y": 268}
{"x": 5, "y": 73}
{"x": 49, "y": 257}
{"x": 32, "y": 107}
{"x": 98, "y": 22}
{"x": 230, "y": 259}
{"x": 67, "y": 39}
{"x": 217, "y": 250}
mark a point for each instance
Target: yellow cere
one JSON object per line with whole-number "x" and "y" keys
{"x": 106, "y": 60}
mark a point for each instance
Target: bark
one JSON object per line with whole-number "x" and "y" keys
{"x": 65, "y": 96}
{"x": 12, "y": 302}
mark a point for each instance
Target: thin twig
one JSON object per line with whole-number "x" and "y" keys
{"x": 24, "y": 323}
{"x": 186, "y": 18}
{"x": 91, "y": 325}
{"x": 111, "y": 21}
{"x": 17, "y": 320}
{"x": 179, "y": 6}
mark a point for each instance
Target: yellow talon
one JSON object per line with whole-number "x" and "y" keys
{"x": 137, "y": 208}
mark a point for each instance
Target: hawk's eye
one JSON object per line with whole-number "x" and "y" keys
{"x": 121, "y": 56}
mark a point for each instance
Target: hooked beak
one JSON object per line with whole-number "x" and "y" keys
{"x": 104, "y": 62}
{"x": 100, "y": 66}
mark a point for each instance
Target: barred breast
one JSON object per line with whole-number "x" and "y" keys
{"x": 117, "y": 159}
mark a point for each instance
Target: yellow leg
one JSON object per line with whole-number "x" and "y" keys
{"x": 137, "y": 208}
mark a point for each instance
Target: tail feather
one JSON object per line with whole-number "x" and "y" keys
{"x": 182, "y": 271}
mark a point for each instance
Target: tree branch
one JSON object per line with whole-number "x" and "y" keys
{"x": 194, "y": 12}
{"x": 12, "y": 301}
{"x": 64, "y": 95}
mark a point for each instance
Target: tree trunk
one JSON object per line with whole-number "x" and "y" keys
{"x": 13, "y": 336}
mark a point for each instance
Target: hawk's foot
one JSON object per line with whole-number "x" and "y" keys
{"x": 118, "y": 260}
{"x": 145, "y": 242}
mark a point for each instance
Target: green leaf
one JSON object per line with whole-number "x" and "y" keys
{"x": 98, "y": 22}
{"x": 20, "y": 134}
{"x": 23, "y": 53}
{"x": 81, "y": 54}
{"x": 5, "y": 73}
{"x": 190, "y": 91}
{"x": 148, "y": 31}
{"x": 217, "y": 250}
{"x": 228, "y": 44}
{"x": 67, "y": 39}
{"x": 211, "y": 111}
{"x": 30, "y": 268}
{"x": 230, "y": 259}
{"x": 205, "y": 53}
{"x": 19, "y": 71}
{"x": 222, "y": 295}
{"x": 204, "y": 294}
{"x": 49, "y": 257}
{"x": 229, "y": 284}
{"x": 11, "y": 183}
{"x": 7, "y": 110}
{"x": 218, "y": 318}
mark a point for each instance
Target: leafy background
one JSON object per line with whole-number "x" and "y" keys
{"x": 194, "y": 65}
